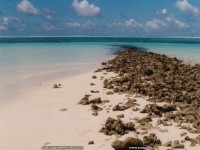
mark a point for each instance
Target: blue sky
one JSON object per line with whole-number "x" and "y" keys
{"x": 100, "y": 17}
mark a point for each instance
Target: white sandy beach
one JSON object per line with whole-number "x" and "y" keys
{"x": 34, "y": 119}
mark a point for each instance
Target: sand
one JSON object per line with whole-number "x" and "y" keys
{"x": 43, "y": 115}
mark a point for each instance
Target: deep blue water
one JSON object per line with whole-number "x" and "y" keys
{"x": 97, "y": 39}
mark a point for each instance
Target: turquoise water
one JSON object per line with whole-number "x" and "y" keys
{"x": 20, "y": 56}
{"x": 31, "y": 61}
{"x": 27, "y": 65}
{"x": 16, "y": 58}
{"x": 190, "y": 53}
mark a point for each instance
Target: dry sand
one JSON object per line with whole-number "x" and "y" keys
{"x": 44, "y": 115}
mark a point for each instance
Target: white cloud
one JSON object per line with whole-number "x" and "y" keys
{"x": 48, "y": 27}
{"x": 11, "y": 23}
{"x": 6, "y": 20}
{"x": 162, "y": 12}
{"x": 181, "y": 24}
{"x": 167, "y": 22}
{"x": 169, "y": 18}
{"x": 47, "y": 14}
{"x": 185, "y": 7}
{"x": 75, "y": 25}
{"x": 177, "y": 23}
{"x": 2, "y": 27}
{"x": 155, "y": 24}
{"x": 84, "y": 8}
{"x": 49, "y": 17}
{"x": 27, "y": 8}
{"x": 72, "y": 25}
{"x": 89, "y": 25}
{"x": 132, "y": 23}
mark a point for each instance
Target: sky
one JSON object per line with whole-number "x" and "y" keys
{"x": 100, "y": 18}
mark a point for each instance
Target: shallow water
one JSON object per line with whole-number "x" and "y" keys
{"x": 187, "y": 52}
{"x": 26, "y": 58}
{"x": 46, "y": 56}
{"x": 27, "y": 65}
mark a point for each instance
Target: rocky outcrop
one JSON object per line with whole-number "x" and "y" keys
{"x": 117, "y": 127}
{"x": 129, "y": 142}
{"x": 161, "y": 79}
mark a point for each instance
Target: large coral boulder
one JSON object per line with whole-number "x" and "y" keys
{"x": 127, "y": 144}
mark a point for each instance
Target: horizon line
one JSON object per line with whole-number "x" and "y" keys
{"x": 82, "y": 36}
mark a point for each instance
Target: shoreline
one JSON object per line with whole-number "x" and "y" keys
{"x": 12, "y": 87}
{"x": 47, "y": 116}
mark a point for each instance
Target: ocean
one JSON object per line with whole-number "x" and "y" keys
{"x": 35, "y": 59}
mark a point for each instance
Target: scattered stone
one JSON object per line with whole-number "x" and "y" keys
{"x": 120, "y": 116}
{"x": 166, "y": 123}
{"x": 98, "y": 70}
{"x": 106, "y": 101}
{"x": 125, "y": 145}
{"x": 135, "y": 109}
{"x": 158, "y": 110}
{"x": 168, "y": 108}
{"x": 160, "y": 79}
{"x": 144, "y": 132}
{"x": 159, "y": 122}
{"x": 193, "y": 143}
{"x": 96, "y": 100}
{"x": 177, "y": 145}
{"x": 106, "y": 83}
{"x": 119, "y": 108}
{"x": 163, "y": 130}
{"x": 55, "y": 86}
{"x": 183, "y": 134}
{"x": 129, "y": 126}
{"x": 198, "y": 139}
{"x": 47, "y": 143}
{"x": 84, "y": 100}
{"x": 130, "y": 103}
{"x": 94, "y": 107}
{"x": 151, "y": 140}
{"x": 116, "y": 127}
{"x": 92, "y": 91}
{"x": 168, "y": 144}
{"x": 137, "y": 132}
{"x": 146, "y": 119}
{"x": 95, "y": 113}
{"x": 145, "y": 126}
{"x": 103, "y": 63}
{"x": 109, "y": 93}
{"x": 91, "y": 142}
{"x": 182, "y": 141}
{"x": 63, "y": 109}
{"x": 94, "y": 77}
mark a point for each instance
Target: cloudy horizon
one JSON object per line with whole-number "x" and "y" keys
{"x": 99, "y": 18}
